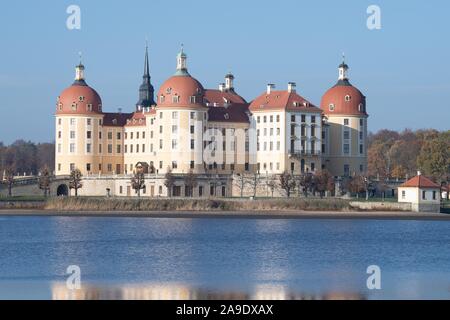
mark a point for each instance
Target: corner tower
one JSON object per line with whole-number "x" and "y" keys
{"x": 79, "y": 119}
{"x": 345, "y": 146}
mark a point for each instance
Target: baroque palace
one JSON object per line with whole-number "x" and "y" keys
{"x": 215, "y": 134}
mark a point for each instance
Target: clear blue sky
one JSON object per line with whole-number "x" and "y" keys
{"x": 403, "y": 69}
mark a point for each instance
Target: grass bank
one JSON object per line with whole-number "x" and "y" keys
{"x": 117, "y": 204}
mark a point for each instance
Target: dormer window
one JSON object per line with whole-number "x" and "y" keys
{"x": 100, "y": 107}
{"x": 361, "y": 107}
{"x": 89, "y": 107}
{"x": 60, "y": 106}
{"x": 296, "y": 104}
{"x": 306, "y": 104}
{"x": 331, "y": 106}
{"x": 348, "y": 98}
{"x": 162, "y": 99}
{"x": 114, "y": 121}
{"x": 74, "y": 107}
{"x": 176, "y": 99}
{"x": 192, "y": 99}
{"x": 226, "y": 116}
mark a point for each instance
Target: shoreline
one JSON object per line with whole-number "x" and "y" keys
{"x": 279, "y": 214}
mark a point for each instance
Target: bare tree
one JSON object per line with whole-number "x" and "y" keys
{"x": 356, "y": 185}
{"x": 240, "y": 181}
{"x": 45, "y": 180}
{"x": 8, "y": 179}
{"x": 75, "y": 181}
{"x": 306, "y": 182}
{"x": 271, "y": 183}
{"x": 254, "y": 180}
{"x": 138, "y": 182}
{"x": 323, "y": 181}
{"x": 169, "y": 181}
{"x": 287, "y": 182}
{"x": 190, "y": 182}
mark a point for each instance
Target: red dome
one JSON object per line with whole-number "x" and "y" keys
{"x": 183, "y": 91}
{"x": 79, "y": 99}
{"x": 344, "y": 99}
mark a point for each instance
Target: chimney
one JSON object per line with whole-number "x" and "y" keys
{"x": 222, "y": 87}
{"x": 291, "y": 87}
{"x": 270, "y": 86}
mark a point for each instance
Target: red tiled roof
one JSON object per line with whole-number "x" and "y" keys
{"x": 336, "y": 96}
{"x": 116, "y": 119}
{"x": 290, "y": 101}
{"x": 420, "y": 182}
{"x": 137, "y": 119}
{"x": 233, "y": 113}
{"x": 218, "y": 97}
{"x": 80, "y": 96}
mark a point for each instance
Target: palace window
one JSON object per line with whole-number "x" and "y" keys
{"x": 346, "y": 148}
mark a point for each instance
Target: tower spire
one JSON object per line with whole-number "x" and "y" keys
{"x": 146, "y": 65}
{"x": 343, "y": 70}
{"x": 146, "y": 90}
{"x": 79, "y": 72}
{"x": 182, "y": 63}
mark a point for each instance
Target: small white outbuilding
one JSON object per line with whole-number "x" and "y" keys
{"x": 422, "y": 193}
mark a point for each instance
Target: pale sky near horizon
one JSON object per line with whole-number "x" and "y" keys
{"x": 403, "y": 69}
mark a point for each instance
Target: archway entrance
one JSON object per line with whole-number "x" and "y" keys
{"x": 62, "y": 191}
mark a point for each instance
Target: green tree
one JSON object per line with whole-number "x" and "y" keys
{"x": 434, "y": 157}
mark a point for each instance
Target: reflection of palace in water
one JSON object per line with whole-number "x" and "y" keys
{"x": 184, "y": 292}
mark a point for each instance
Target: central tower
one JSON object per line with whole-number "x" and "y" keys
{"x": 146, "y": 90}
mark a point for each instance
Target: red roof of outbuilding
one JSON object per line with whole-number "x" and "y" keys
{"x": 290, "y": 101}
{"x": 420, "y": 182}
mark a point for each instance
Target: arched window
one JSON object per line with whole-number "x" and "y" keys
{"x": 348, "y": 98}
{"x": 361, "y": 107}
